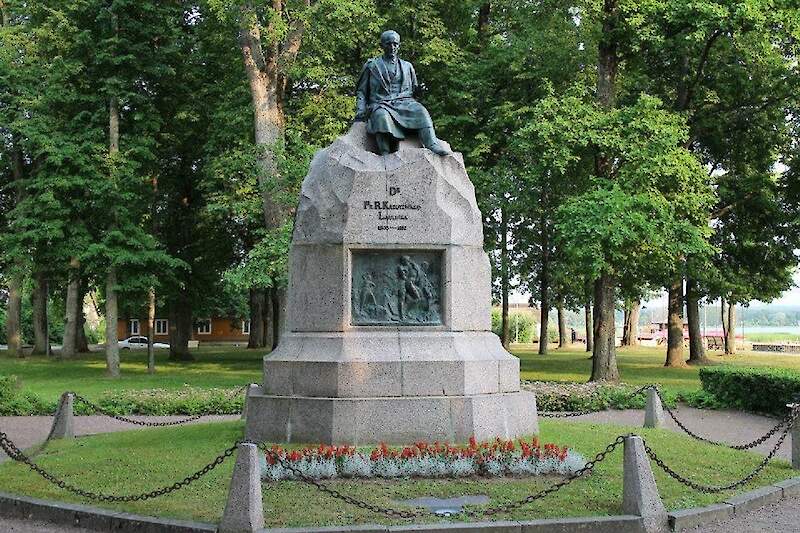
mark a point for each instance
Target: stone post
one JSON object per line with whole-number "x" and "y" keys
{"x": 62, "y": 427}
{"x": 250, "y": 388}
{"x": 795, "y": 438}
{"x": 244, "y": 511}
{"x": 640, "y": 494}
{"x": 653, "y": 411}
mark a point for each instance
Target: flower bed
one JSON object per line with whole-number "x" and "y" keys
{"x": 437, "y": 460}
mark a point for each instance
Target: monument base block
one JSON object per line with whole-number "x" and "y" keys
{"x": 398, "y": 420}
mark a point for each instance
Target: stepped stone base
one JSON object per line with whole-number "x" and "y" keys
{"x": 400, "y": 420}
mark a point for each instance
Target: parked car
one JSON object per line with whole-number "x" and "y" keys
{"x": 139, "y": 343}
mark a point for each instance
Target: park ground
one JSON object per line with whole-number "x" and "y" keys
{"x": 223, "y": 367}
{"x": 103, "y": 463}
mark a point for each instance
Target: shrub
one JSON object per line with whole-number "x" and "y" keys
{"x": 763, "y": 390}
{"x": 522, "y": 326}
{"x": 590, "y": 396}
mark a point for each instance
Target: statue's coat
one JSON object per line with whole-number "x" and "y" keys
{"x": 390, "y": 107}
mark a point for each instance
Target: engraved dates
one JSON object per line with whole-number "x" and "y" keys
{"x": 396, "y": 287}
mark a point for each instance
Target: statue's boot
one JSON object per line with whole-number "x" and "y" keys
{"x": 429, "y": 141}
{"x": 384, "y": 143}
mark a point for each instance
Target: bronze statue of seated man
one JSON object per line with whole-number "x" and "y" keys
{"x": 385, "y": 100}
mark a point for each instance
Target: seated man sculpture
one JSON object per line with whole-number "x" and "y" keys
{"x": 385, "y": 100}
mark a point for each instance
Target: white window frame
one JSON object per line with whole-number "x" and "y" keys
{"x": 200, "y": 328}
{"x": 162, "y": 330}
{"x": 246, "y": 327}
{"x": 133, "y": 325}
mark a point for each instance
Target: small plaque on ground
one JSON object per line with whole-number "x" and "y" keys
{"x": 396, "y": 287}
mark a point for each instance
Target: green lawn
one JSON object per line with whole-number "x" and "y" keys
{"x": 142, "y": 460}
{"x": 214, "y": 367}
{"x": 231, "y": 367}
{"x": 637, "y": 365}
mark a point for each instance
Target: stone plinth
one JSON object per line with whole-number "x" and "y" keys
{"x": 389, "y": 309}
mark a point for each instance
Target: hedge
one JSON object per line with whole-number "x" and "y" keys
{"x": 761, "y": 390}
{"x": 183, "y": 401}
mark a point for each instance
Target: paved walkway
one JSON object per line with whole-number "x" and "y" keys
{"x": 732, "y": 427}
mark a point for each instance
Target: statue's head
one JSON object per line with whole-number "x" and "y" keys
{"x": 390, "y": 42}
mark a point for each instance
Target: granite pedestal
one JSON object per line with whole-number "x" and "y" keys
{"x": 389, "y": 309}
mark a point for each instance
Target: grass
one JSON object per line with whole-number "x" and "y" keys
{"x": 214, "y": 367}
{"x": 142, "y": 460}
{"x": 772, "y": 336}
{"x": 637, "y": 365}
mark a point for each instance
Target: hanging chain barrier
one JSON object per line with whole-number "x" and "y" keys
{"x": 788, "y": 419}
{"x": 571, "y": 414}
{"x": 395, "y": 513}
{"x": 127, "y": 420}
{"x": 710, "y": 489}
{"x": 18, "y": 455}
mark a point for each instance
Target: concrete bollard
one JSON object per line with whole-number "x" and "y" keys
{"x": 640, "y": 494}
{"x": 63, "y": 427}
{"x": 250, "y": 388}
{"x": 244, "y": 511}
{"x": 653, "y": 411}
{"x": 795, "y": 438}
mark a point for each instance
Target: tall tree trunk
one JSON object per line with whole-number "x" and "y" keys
{"x": 151, "y": 330}
{"x": 112, "y": 311}
{"x": 630, "y": 331}
{"x": 563, "y": 339}
{"x": 81, "y": 342}
{"x": 626, "y": 325}
{"x": 587, "y": 313}
{"x": 724, "y": 321}
{"x": 14, "y": 317}
{"x": 505, "y": 337}
{"x": 604, "y": 356}
{"x": 256, "y": 336}
{"x": 544, "y": 289}
{"x": 180, "y": 327}
{"x": 675, "y": 357}
{"x": 731, "y": 331}
{"x": 39, "y": 301}
{"x": 268, "y": 339}
{"x": 112, "y": 344}
{"x": 278, "y": 297}
{"x": 697, "y": 344}
{"x": 71, "y": 305}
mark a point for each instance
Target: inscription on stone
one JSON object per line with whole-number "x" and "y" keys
{"x": 392, "y": 214}
{"x": 402, "y": 288}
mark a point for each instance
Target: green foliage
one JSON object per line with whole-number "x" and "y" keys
{"x": 523, "y": 326}
{"x": 763, "y": 390}
{"x": 600, "y": 399}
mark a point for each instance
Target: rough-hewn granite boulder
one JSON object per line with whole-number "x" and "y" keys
{"x": 389, "y": 309}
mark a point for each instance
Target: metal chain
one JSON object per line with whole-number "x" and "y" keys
{"x": 588, "y": 467}
{"x": 121, "y": 418}
{"x": 387, "y": 511}
{"x": 788, "y": 419}
{"x": 590, "y": 411}
{"x": 15, "y": 453}
{"x": 709, "y": 489}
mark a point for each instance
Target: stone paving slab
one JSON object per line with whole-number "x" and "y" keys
{"x": 755, "y": 499}
{"x": 689, "y": 518}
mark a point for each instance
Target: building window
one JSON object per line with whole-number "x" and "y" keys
{"x": 162, "y": 326}
{"x": 246, "y": 327}
{"x": 204, "y": 326}
{"x": 134, "y": 326}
